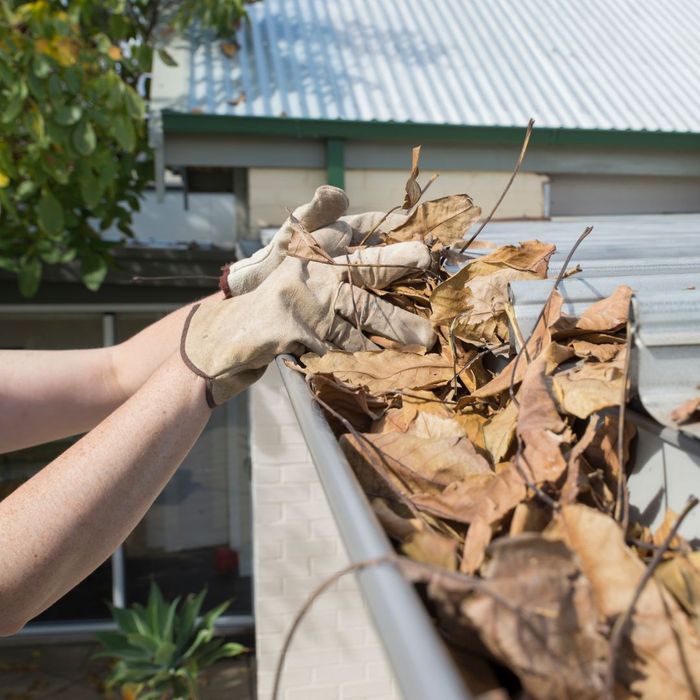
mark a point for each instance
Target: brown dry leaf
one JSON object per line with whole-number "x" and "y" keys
{"x": 499, "y": 432}
{"x": 302, "y": 244}
{"x": 446, "y": 219}
{"x": 687, "y": 412}
{"x": 602, "y": 452}
{"x": 355, "y": 404}
{"x": 481, "y": 501}
{"x": 431, "y": 548}
{"x": 473, "y": 425}
{"x": 599, "y": 351}
{"x": 665, "y": 528}
{"x": 528, "y": 516}
{"x": 476, "y": 296}
{"x": 664, "y": 658}
{"x": 398, "y": 527}
{"x": 609, "y": 314}
{"x": 537, "y": 615}
{"x": 539, "y": 342}
{"x": 383, "y": 371}
{"x": 590, "y": 387}
{"x": 417, "y": 464}
{"x": 426, "y": 420}
{"x": 570, "y": 489}
{"x": 540, "y": 427}
{"x": 681, "y": 575}
{"x": 413, "y": 191}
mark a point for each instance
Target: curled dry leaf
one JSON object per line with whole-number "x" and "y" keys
{"x": 445, "y": 220}
{"x": 547, "y": 633}
{"x": 609, "y": 314}
{"x": 431, "y": 548}
{"x": 590, "y": 387}
{"x": 474, "y": 299}
{"x": 354, "y": 403}
{"x": 416, "y": 464}
{"x": 681, "y": 576}
{"x": 540, "y": 427}
{"x": 397, "y": 526}
{"x": 384, "y": 371}
{"x": 598, "y": 351}
{"x": 413, "y": 191}
{"x": 661, "y": 657}
{"x": 687, "y": 412}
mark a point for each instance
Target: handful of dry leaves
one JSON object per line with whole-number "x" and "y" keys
{"x": 501, "y": 478}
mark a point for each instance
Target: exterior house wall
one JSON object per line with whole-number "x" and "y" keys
{"x": 274, "y": 190}
{"x": 336, "y": 652}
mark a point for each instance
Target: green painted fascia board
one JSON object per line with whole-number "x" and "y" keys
{"x": 283, "y": 127}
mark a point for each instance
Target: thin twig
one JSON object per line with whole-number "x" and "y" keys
{"x": 163, "y": 278}
{"x": 540, "y": 317}
{"x": 622, "y": 507}
{"x": 516, "y": 170}
{"x": 378, "y": 224}
{"x": 471, "y": 362}
{"x": 319, "y": 590}
{"x": 351, "y": 282}
{"x": 622, "y": 622}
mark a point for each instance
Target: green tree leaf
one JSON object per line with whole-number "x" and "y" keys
{"x": 84, "y": 139}
{"x": 93, "y": 270}
{"x": 124, "y": 133}
{"x": 67, "y": 115}
{"x": 50, "y": 213}
{"x": 166, "y": 58}
{"x": 29, "y": 276}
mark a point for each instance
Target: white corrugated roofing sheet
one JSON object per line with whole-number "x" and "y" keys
{"x": 659, "y": 258}
{"x": 600, "y": 64}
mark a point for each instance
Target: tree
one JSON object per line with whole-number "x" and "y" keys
{"x": 74, "y": 157}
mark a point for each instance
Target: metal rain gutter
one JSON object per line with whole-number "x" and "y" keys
{"x": 419, "y": 658}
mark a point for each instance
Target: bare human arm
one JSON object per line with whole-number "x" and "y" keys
{"x": 67, "y": 519}
{"x": 49, "y": 394}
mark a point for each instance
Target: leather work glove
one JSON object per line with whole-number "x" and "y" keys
{"x": 302, "y": 304}
{"x": 322, "y": 216}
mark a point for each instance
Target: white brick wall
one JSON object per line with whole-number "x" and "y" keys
{"x": 336, "y": 652}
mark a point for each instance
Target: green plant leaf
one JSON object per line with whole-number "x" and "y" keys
{"x": 93, "y": 269}
{"x": 90, "y": 188}
{"x": 12, "y": 110}
{"x": 123, "y": 131}
{"x": 50, "y": 213}
{"x": 29, "y": 276}
{"x": 167, "y": 58}
{"x": 67, "y": 115}
{"x": 84, "y": 139}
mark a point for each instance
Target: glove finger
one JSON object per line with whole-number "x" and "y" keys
{"x": 328, "y": 204}
{"x": 334, "y": 239}
{"x": 245, "y": 275}
{"x": 362, "y": 224}
{"x": 383, "y": 318}
{"x": 380, "y": 266}
{"x": 345, "y": 336}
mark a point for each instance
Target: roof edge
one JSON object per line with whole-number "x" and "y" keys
{"x": 233, "y": 125}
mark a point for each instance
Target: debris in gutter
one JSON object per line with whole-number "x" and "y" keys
{"x": 501, "y": 478}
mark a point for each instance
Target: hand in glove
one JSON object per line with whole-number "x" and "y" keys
{"x": 323, "y": 217}
{"x": 302, "y": 304}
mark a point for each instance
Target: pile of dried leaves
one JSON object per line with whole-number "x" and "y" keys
{"x": 501, "y": 478}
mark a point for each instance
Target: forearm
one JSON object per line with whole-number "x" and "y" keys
{"x": 48, "y": 394}
{"x": 65, "y": 521}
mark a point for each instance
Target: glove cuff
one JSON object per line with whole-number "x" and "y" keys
{"x": 223, "y": 281}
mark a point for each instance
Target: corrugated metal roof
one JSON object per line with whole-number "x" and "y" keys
{"x": 628, "y": 64}
{"x": 657, "y": 256}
